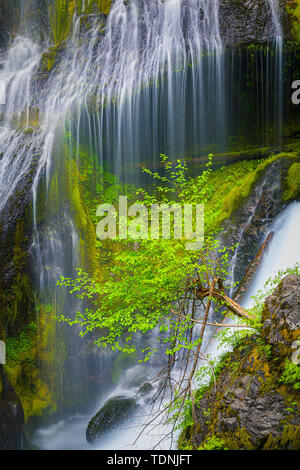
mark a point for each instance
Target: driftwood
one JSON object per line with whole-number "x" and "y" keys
{"x": 219, "y": 294}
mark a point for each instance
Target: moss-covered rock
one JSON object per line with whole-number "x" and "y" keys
{"x": 253, "y": 406}
{"x": 293, "y": 10}
{"x": 113, "y": 413}
{"x": 63, "y": 11}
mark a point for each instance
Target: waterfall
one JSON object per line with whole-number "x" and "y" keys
{"x": 283, "y": 252}
{"x": 18, "y": 113}
{"x": 155, "y": 79}
{"x": 155, "y": 59}
{"x": 278, "y": 38}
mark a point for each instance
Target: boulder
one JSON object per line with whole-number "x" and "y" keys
{"x": 145, "y": 389}
{"x": 115, "y": 411}
{"x": 11, "y": 416}
{"x": 281, "y": 316}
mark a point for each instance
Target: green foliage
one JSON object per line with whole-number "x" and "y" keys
{"x": 147, "y": 279}
{"x": 62, "y": 13}
{"x": 293, "y": 8}
{"x": 293, "y": 182}
{"x": 293, "y": 407}
{"x": 291, "y": 374}
{"x": 214, "y": 443}
{"x": 16, "y": 347}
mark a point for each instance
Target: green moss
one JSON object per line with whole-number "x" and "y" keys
{"x": 62, "y": 13}
{"x": 234, "y": 184}
{"x": 213, "y": 443}
{"x": 291, "y": 374}
{"x": 33, "y": 367}
{"x": 17, "y": 347}
{"x": 293, "y": 9}
{"x": 49, "y": 57}
{"x": 289, "y": 439}
{"x": 292, "y": 182}
{"x": 239, "y": 440}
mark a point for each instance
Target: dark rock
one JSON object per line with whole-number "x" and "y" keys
{"x": 11, "y": 416}
{"x": 251, "y": 223}
{"x": 247, "y": 21}
{"x": 281, "y": 316}
{"x": 115, "y": 411}
{"x": 145, "y": 389}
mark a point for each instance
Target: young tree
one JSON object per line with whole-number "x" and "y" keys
{"x": 159, "y": 284}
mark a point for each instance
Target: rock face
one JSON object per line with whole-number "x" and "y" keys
{"x": 251, "y": 223}
{"x": 247, "y": 21}
{"x": 11, "y": 416}
{"x": 281, "y": 316}
{"x": 250, "y": 407}
{"x": 114, "y": 412}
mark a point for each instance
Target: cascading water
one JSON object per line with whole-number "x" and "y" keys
{"x": 16, "y": 76}
{"x": 156, "y": 79}
{"x": 283, "y": 253}
{"x": 278, "y": 38}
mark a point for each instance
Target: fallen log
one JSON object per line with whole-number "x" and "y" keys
{"x": 231, "y": 304}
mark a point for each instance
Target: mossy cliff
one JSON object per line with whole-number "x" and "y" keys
{"x": 63, "y": 11}
{"x": 254, "y": 403}
{"x": 61, "y": 15}
{"x": 293, "y": 10}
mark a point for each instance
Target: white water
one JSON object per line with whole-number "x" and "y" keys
{"x": 18, "y": 151}
{"x": 282, "y": 253}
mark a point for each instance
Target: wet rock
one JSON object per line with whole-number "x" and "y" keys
{"x": 145, "y": 389}
{"x": 281, "y": 316}
{"x": 251, "y": 223}
{"x": 246, "y": 21}
{"x": 11, "y": 416}
{"x": 115, "y": 411}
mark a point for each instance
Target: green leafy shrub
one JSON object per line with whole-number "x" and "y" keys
{"x": 16, "y": 347}
{"x": 291, "y": 374}
{"x": 214, "y": 443}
